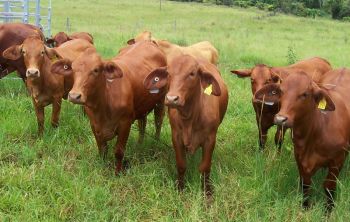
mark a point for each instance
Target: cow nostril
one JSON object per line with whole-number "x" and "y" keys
{"x": 172, "y": 99}
{"x": 75, "y": 96}
{"x": 280, "y": 119}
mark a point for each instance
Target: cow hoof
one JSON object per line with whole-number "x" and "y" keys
{"x": 54, "y": 125}
{"x": 180, "y": 185}
{"x": 126, "y": 164}
{"x": 306, "y": 205}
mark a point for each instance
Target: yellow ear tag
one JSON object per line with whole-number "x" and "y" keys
{"x": 322, "y": 104}
{"x": 209, "y": 90}
{"x": 54, "y": 59}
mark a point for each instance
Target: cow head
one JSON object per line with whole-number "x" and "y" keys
{"x": 299, "y": 97}
{"x": 184, "y": 77}
{"x": 58, "y": 39}
{"x": 34, "y": 52}
{"x": 90, "y": 73}
{"x": 260, "y": 76}
{"x": 143, "y": 36}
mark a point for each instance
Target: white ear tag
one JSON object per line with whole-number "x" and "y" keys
{"x": 154, "y": 91}
{"x": 110, "y": 80}
{"x": 269, "y": 103}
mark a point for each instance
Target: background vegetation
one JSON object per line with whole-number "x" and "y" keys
{"x": 60, "y": 177}
{"x": 337, "y": 9}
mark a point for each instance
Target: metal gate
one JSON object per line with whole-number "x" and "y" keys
{"x": 36, "y": 12}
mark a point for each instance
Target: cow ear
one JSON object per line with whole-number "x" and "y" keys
{"x": 52, "y": 54}
{"x": 269, "y": 94}
{"x": 13, "y": 53}
{"x": 275, "y": 75}
{"x": 156, "y": 80}
{"x": 209, "y": 83}
{"x": 323, "y": 100}
{"x": 131, "y": 41}
{"x": 242, "y": 73}
{"x": 62, "y": 67}
{"x": 111, "y": 71}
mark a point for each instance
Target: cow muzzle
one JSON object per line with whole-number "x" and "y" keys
{"x": 280, "y": 120}
{"x": 33, "y": 73}
{"x": 75, "y": 98}
{"x": 172, "y": 100}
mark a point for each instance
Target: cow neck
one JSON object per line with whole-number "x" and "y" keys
{"x": 97, "y": 100}
{"x": 191, "y": 110}
{"x": 309, "y": 125}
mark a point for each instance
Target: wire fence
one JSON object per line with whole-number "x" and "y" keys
{"x": 36, "y": 12}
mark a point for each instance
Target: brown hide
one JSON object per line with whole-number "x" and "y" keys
{"x": 62, "y": 37}
{"x": 194, "y": 116}
{"x": 45, "y": 88}
{"x": 201, "y": 50}
{"x": 14, "y": 34}
{"x": 113, "y": 95}
{"x": 261, "y": 75}
{"x": 321, "y": 133}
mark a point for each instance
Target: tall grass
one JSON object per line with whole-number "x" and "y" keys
{"x": 61, "y": 177}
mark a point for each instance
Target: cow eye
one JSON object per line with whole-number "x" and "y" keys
{"x": 268, "y": 81}
{"x": 95, "y": 71}
{"x": 42, "y": 53}
{"x": 192, "y": 74}
{"x": 304, "y": 96}
{"x": 23, "y": 52}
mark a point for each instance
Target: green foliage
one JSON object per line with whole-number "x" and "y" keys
{"x": 338, "y": 9}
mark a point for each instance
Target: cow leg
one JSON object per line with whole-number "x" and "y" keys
{"x": 40, "y": 115}
{"x": 279, "y": 137}
{"x": 205, "y": 165}
{"x": 123, "y": 135}
{"x": 180, "y": 156}
{"x": 56, "y": 109}
{"x": 305, "y": 182}
{"x": 102, "y": 148}
{"x": 330, "y": 184}
{"x": 158, "y": 118}
{"x": 142, "y": 129}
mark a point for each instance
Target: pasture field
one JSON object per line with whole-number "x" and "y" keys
{"x": 60, "y": 177}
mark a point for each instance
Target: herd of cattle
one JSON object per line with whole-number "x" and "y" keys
{"x": 309, "y": 97}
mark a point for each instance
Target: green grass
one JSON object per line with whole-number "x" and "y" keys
{"x": 61, "y": 177}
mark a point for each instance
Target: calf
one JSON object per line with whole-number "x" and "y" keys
{"x": 262, "y": 75}
{"x": 44, "y": 87}
{"x": 113, "y": 94}
{"x": 194, "y": 113}
{"x": 63, "y": 37}
{"x": 201, "y": 50}
{"x": 320, "y": 121}
{"x": 14, "y": 34}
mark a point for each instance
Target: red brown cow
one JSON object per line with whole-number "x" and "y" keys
{"x": 195, "y": 114}
{"x": 113, "y": 95}
{"x": 63, "y": 37}
{"x": 14, "y": 34}
{"x": 201, "y": 50}
{"x": 319, "y": 117}
{"x": 45, "y": 88}
{"x": 261, "y": 75}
